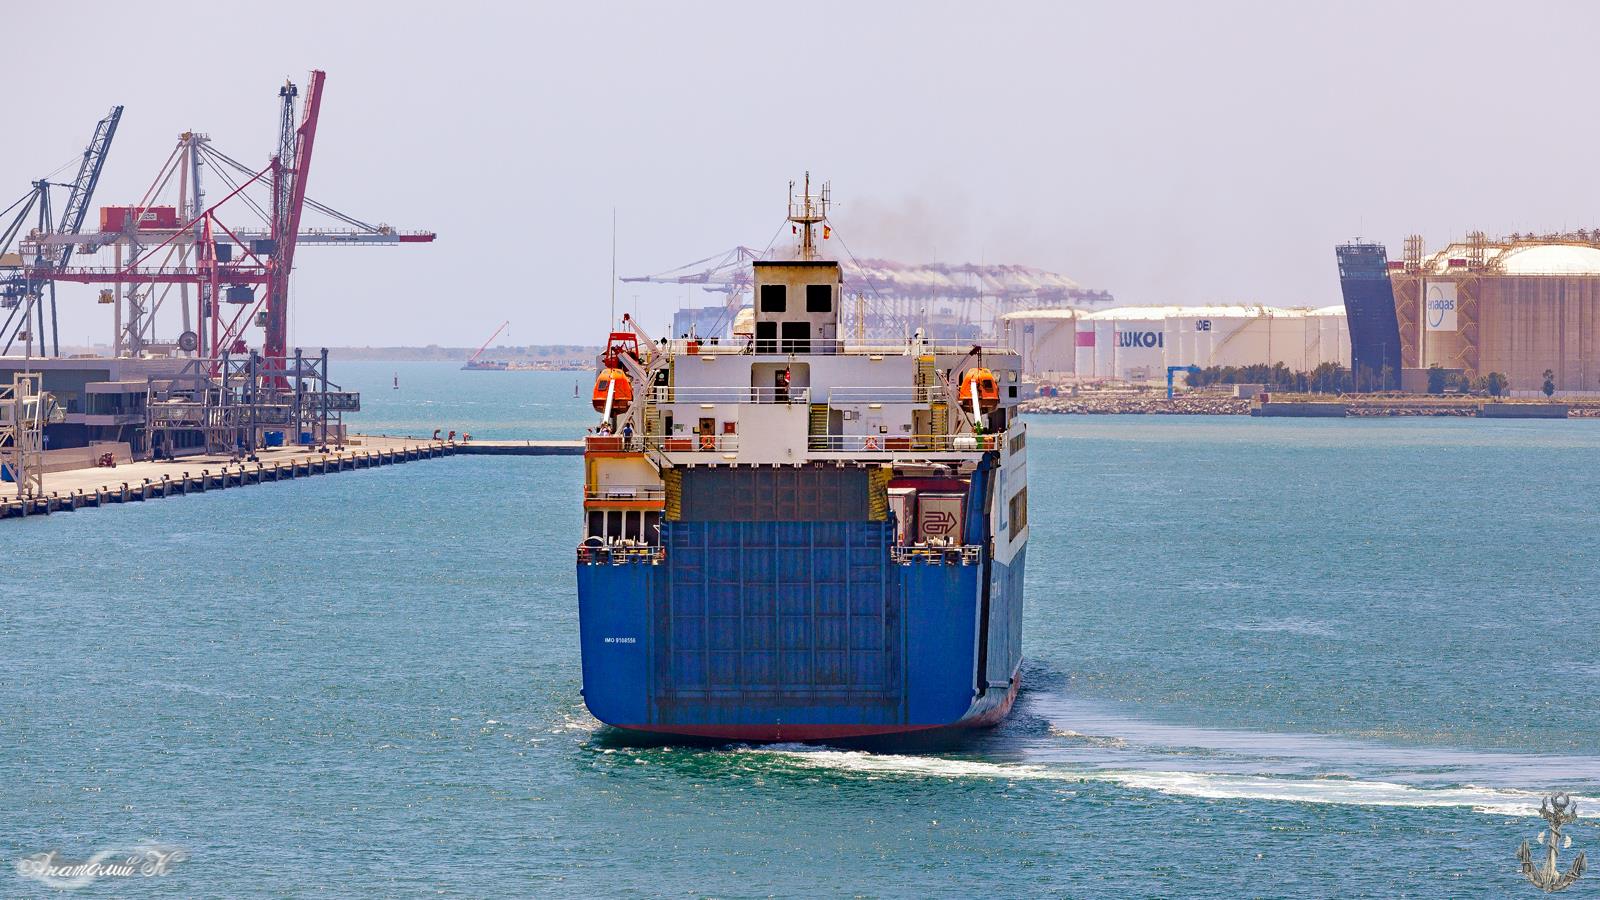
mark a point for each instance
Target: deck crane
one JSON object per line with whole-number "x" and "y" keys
{"x": 53, "y": 256}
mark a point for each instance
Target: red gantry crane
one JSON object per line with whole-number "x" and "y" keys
{"x": 189, "y": 245}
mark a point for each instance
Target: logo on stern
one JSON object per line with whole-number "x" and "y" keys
{"x": 1559, "y": 811}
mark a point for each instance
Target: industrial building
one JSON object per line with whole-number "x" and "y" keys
{"x": 1138, "y": 343}
{"x": 102, "y": 399}
{"x": 1519, "y": 306}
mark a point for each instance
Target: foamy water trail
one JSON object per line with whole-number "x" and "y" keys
{"x": 1209, "y": 785}
{"x": 1093, "y": 734}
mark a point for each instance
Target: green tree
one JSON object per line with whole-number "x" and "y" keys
{"x": 1436, "y": 379}
{"x": 1549, "y": 383}
{"x": 1497, "y": 383}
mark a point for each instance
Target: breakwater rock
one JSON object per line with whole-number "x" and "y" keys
{"x": 1139, "y": 404}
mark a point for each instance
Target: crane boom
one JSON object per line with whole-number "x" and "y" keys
{"x": 53, "y": 257}
{"x": 474, "y": 357}
{"x": 94, "y": 160}
{"x": 293, "y": 197}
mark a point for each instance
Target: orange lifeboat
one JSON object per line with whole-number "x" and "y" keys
{"x": 613, "y": 385}
{"x": 979, "y": 382}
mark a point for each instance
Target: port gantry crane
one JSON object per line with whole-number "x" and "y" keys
{"x": 22, "y": 292}
{"x": 725, "y": 273}
{"x": 159, "y": 254}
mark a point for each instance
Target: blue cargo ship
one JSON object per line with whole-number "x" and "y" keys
{"x": 791, "y": 536}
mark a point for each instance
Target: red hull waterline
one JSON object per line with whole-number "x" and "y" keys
{"x": 799, "y": 733}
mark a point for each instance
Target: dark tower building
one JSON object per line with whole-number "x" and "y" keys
{"x": 1369, "y": 311}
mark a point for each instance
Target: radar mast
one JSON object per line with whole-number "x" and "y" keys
{"x": 807, "y": 214}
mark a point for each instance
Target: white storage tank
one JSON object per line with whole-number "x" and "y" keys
{"x": 1085, "y": 348}
{"x": 1047, "y": 339}
{"x": 1105, "y": 348}
{"x": 1139, "y": 349}
{"x": 1138, "y": 343}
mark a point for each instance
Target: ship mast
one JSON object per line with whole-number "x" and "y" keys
{"x": 806, "y": 214}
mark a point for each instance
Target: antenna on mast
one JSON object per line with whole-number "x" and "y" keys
{"x": 613, "y": 264}
{"x": 807, "y": 213}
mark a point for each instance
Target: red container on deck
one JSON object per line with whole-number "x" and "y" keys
{"x": 112, "y": 218}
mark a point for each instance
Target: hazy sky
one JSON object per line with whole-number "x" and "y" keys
{"x": 1166, "y": 152}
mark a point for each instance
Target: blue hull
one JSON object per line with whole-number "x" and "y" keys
{"x": 797, "y": 631}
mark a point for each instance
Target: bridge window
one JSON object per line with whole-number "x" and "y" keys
{"x": 774, "y": 298}
{"x": 796, "y": 337}
{"x": 819, "y": 298}
{"x": 766, "y": 337}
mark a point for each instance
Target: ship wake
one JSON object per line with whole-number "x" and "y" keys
{"x": 1326, "y": 789}
{"x": 1085, "y": 744}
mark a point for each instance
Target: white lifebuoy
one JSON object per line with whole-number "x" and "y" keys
{"x": 872, "y": 442}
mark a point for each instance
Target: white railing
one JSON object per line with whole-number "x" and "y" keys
{"x": 626, "y": 492}
{"x": 719, "y": 394}
{"x": 898, "y": 393}
{"x": 905, "y": 443}
{"x": 696, "y": 443}
{"x": 618, "y": 554}
{"x": 953, "y": 554}
{"x": 685, "y": 443}
{"x": 613, "y": 443}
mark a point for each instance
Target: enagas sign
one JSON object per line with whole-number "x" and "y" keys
{"x": 1439, "y": 305}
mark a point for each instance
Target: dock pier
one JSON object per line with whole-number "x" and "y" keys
{"x": 154, "y": 480}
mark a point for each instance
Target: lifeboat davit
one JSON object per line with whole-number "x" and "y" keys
{"x": 980, "y": 386}
{"x": 613, "y": 385}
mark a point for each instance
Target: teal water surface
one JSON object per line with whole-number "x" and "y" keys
{"x": 1266, "y": 658}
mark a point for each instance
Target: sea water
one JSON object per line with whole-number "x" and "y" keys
{"x": 1265, "y": 658}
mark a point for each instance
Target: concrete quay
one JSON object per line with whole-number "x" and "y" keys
{"x": 519, "y": 448}
{"x": 137, "y": 482}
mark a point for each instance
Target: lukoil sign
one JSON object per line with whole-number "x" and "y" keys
{"x": 1141, "y": 339}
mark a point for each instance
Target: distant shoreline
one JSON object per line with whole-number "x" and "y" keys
{"x": 562, "y": 357}
{"x": 1214, "y": 405}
